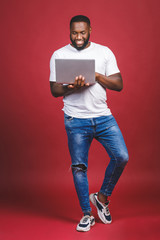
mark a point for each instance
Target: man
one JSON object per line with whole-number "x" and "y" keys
{"x": 87, "y": 116}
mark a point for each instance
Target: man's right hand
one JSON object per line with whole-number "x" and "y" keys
{"x": 78, "y": 82}
{"x": 59, "y": 90}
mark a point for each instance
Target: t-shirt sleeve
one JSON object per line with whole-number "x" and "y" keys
{"x": 111, "y": 64}
{"x": 52, "y": 77}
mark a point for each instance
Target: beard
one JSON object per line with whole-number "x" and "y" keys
{"x": 86, "y": 41}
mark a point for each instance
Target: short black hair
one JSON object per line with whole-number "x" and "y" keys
{"x": 80, "y": 18}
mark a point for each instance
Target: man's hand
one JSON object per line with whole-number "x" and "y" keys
{"x": 78, "y": 82}
{"x": 59, "y": 90}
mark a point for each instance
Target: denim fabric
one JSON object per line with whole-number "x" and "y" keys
{"x": 80, "y": 134}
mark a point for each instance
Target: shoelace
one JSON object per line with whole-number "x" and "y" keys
{"x": 84, "y": 219}
{"x": 106, "y": 210}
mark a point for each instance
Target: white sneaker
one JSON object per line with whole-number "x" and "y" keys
{"x": 102, "y": 209}
{"x": 85, "y": 223}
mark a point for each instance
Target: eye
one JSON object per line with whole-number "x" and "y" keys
{"x": 83, "y": 32}
{"x": 74, "y": 33}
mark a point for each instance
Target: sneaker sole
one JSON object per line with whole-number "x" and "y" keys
{"x": 102, "y": 218}
{"x": 79, "y": 229}
{"x": 83, "y": 230}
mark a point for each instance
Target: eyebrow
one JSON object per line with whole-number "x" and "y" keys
{"x": 80, "y": 31}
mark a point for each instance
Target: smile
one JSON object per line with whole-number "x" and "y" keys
{"x": 79, "y": 42}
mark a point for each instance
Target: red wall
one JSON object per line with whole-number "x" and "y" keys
{"x": 34, "y": 154}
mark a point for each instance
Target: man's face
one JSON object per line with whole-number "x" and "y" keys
{"x": 80, "y": 34}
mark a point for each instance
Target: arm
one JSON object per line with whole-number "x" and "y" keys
{"x": 59, "y": 90}
{"x": 112, "y": 82}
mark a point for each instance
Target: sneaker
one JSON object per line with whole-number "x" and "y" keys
{"x": 85, "y": 223}
{"x": 102, "y": 208}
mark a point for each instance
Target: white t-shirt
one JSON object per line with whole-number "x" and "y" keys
{"x": 89, "y": 102}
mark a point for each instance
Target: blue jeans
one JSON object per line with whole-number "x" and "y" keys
{"x": 80, "y": 134}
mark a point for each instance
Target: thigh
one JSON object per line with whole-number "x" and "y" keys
{"x": 79, "y": 139}
{"x": 110, "y": 136}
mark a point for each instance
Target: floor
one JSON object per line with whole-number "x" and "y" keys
{"x": 43, "y": 217}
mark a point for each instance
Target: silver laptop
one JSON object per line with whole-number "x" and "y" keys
{"x": 68, "y": 69}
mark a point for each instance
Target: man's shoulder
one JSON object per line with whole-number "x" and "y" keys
{"x": 62, "y": 49}
{"x": 101, "y": 47}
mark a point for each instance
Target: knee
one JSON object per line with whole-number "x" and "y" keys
{"x": 123, "y": 158}
{"x": 79, "y": 168}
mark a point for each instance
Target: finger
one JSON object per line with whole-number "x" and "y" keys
{"x": 87, "y": 84}
{"x": 70, "y": 86}
{"x": 83, "y": 81}
{"x": 79, "y": 80}
{"x": 76, "y": 80}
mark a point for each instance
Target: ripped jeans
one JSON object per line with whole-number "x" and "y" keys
{"x": 80, "y": 134}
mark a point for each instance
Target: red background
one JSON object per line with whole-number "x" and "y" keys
{"x": 34, "y": 156}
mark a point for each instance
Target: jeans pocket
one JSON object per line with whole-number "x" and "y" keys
{"x": 67, "y": 117}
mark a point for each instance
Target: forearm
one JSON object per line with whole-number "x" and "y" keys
{"x": 112, "y": 82}
{"x": 59, "y": 90}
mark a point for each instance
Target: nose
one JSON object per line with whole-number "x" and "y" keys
{"x": 78, "y": 36}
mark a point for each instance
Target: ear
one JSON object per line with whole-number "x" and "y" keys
{"x": 90, "y": 29}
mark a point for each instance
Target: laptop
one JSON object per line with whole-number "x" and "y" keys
{"x": 68, "y": 69}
